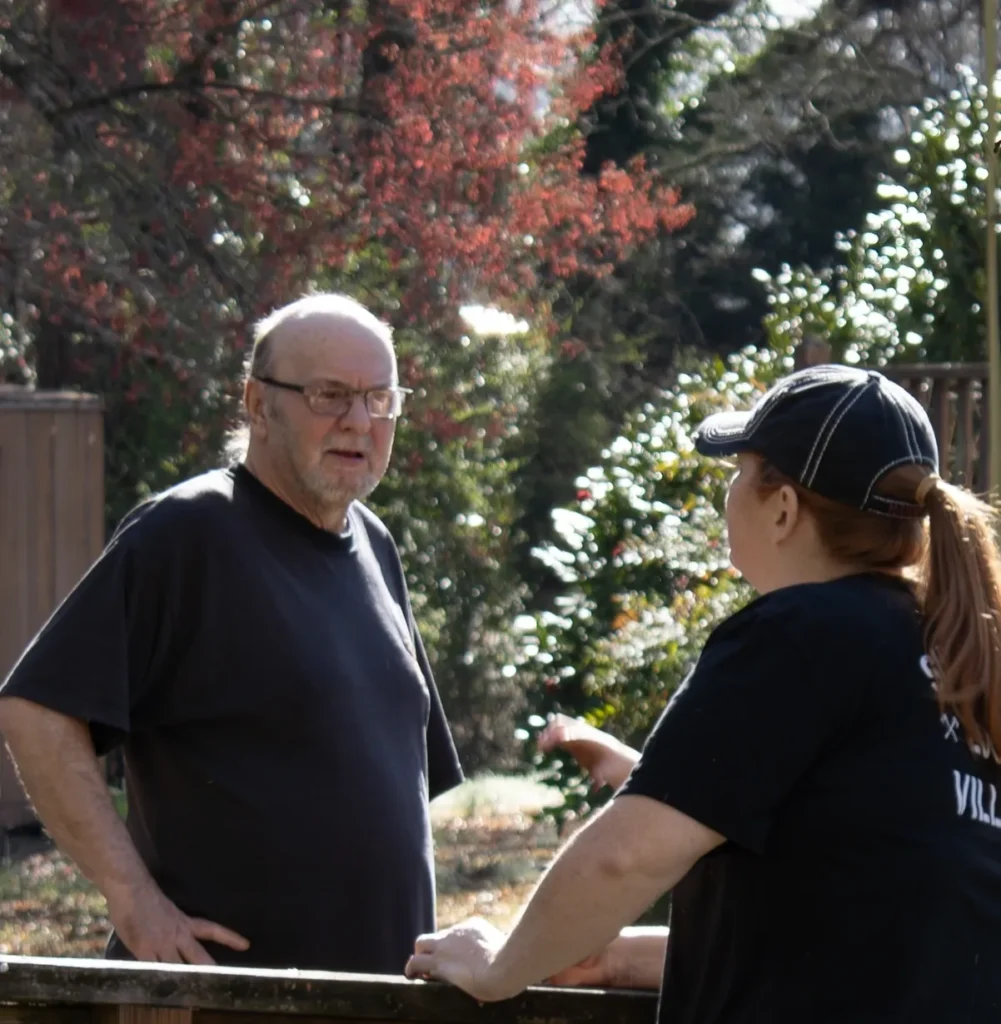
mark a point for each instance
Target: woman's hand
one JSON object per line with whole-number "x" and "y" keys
{"x": 597, "y": 971}
{"x": 603, "y": 757}
{"x": 462, "y": 955}
{"x": 633, "y": 960}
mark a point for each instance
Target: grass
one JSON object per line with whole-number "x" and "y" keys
{"x": 490, "y": 851}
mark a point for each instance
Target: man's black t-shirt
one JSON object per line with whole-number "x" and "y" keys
{"x": 282, "y": 730}
{"x": 861, "y": 879}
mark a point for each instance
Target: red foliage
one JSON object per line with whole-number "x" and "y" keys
{"x": 231, "y": 153}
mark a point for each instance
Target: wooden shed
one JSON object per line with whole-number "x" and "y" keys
{"x": 51, "y": 524}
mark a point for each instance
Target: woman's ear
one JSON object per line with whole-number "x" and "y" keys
{"x": 786, "y": 512}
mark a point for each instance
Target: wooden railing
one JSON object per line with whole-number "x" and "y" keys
{"x": 37, "y": 990}
{"x": 954, "y": 396}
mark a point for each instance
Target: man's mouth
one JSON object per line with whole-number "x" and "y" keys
{"x": 347, "y": 453}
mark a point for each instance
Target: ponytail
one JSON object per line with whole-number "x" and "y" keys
{"x": 960, "y": 577}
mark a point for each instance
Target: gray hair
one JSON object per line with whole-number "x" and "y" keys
{"x": 261, "y": 357}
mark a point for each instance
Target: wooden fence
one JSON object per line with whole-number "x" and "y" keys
{"x": 35, "y": 990}
{"x": 51, "y": 524}
{"x": 955, "y": 397}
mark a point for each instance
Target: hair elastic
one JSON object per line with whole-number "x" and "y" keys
{"x": 927, "y": 485}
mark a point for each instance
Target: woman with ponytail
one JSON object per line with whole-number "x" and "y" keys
{"x": 821, "y": 794}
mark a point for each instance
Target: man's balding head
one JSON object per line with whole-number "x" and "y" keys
{"x": 326, "y": 316}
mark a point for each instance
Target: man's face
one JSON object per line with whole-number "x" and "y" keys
{"x": 332, "y": 460}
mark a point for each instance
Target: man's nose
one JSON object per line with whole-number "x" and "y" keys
{"x": 357, "y": 417}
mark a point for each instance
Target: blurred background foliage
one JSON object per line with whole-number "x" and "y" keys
{"x": 589, "y": 225}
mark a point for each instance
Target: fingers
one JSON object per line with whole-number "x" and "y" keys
{"x": 589, "y": 973}
{"x": 576, "y": 977}
{"x": 202, "y": 929}
{"x": 181, "y": 948}
{"x": 150, "y": 951}
{"x": 561, "y": 729}
{"x": 194, "y": 952}
{"x": 191, "y": 951}
{"x": 429, "y": 966}
{"x": 570, "y": 978}
{"x": 551, "y": 737}
{"x": 420, "y": 965}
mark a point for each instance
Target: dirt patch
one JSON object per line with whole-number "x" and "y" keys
{"x": 489, "y": 866}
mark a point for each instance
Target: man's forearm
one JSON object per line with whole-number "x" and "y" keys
{"x": 62, "y": 775}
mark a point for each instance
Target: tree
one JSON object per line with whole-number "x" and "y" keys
{"x": 207, "y": 161}
{"x": 778, "y": 133}
{"x": 910, "y": 283}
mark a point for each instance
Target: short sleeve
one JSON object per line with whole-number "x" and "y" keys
{"x": 88, "y": 660}
{"x": 444, "y": 769}
{"x": 751, "y": 719}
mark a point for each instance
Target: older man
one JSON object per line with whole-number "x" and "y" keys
{"x": 248, "y": 636}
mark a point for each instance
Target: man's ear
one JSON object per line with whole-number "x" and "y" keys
{"x": 254, "y": 400}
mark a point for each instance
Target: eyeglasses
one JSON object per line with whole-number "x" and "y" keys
{"x": 328, "y": 399}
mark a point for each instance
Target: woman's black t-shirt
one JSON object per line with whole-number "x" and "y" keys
{"x": 861, "y": 877}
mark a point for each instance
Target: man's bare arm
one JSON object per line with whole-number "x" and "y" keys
{"x": 62, "y": 775}
{"x": 60, "y": 770}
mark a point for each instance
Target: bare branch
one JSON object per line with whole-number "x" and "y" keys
{"x": 141, "y": 90}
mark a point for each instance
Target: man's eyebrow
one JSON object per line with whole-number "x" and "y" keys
{"x": 328, "y": 382}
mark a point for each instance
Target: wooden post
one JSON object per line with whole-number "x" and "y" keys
{"x": 130, "y": 1013}
{"x": 991, "y": 283}
{"x": 811, "y": 351}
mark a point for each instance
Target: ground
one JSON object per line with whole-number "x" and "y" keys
{"x": 490, "y": 850}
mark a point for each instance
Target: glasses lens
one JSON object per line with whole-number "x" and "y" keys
{"x": 330, "y": 402}
{"x": 384, "y": 404}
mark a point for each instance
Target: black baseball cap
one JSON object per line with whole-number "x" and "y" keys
{"x": 835, "y": 430}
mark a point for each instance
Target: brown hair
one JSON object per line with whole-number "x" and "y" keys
{"x": 952, "y": 557}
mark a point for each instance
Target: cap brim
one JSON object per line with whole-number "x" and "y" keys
{"x": 725, "y": 433}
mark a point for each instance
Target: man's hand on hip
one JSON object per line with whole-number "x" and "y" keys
{"x": 154, "y": 929}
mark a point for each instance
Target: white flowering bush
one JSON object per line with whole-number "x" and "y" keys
{"x": 643, "y": 554}
{"x": 910, "y": 286}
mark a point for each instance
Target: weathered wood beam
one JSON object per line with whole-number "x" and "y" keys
{"x": 41, "y": 990}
